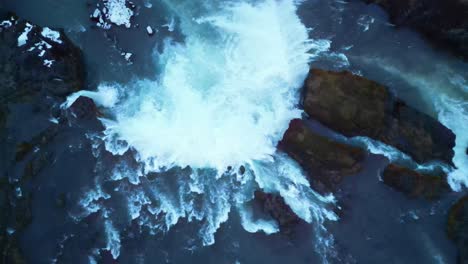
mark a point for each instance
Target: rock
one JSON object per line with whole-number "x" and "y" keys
{"x": 241, "y": 170}
{"x": 275, "y": 206}
{"x": 355, "y": 106}
{"x": 414, "y": 184}
{"x": 323, "y": 159}
{"x": 41, "y": 66}
{"x": 46, "y": 64}
{"x": 457, "y": 228}
{"x": 84, "y": 108}
{"x": 445, "y": 23}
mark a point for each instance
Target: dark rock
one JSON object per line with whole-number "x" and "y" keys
{"x": 241, "y": 170}
{"x": 24, "y": 73}
{"x": 414, "y": 184}
{"x": 84, "y": 108}
{"x": 444, "y": 22}
{"x": 457, "y": 228}
{"x": 275, "y": 206}
{"x": 41, "y": 71}
{"x": 355, "y": 106}
{"x": 323, "y": 159}
{"x": 152, "y": 176}
{"x": 12, "y": 220}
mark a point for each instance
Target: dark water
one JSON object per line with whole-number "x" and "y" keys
{"x": 377, "y": 224}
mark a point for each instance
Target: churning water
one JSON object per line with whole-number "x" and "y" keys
{"x": 219, "y": 105}
{"x": 223, "y": 84}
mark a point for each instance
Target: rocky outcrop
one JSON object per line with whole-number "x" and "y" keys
{"x": 84, "y": 108}
{"x": 275, "y": 206}
{"x": 355, "y": 106}
{"x": 443, "y": 22}
{"x": 37, "y": 60}
{"x": 414, "y": 184}
{"x": 457, "y": 228}
{"x": 325, "y": 161}
{"x": 38, "y": 66}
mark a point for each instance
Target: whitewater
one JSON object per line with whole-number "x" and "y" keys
{"x": 208, "y": 122}
{"x": 208, "y": 125}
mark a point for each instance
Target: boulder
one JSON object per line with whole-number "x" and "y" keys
{"x": 457, "y": 228}
{"x": 445, "y": 23}
{"x": 414, "y": 184}
{"x": 275, "y": 206}
{"x": 355, "y": 106}
{"x": 325, "y": 161}
{"x": 84, "y": 108}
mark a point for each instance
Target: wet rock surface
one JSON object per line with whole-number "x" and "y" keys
{"x": 414, "y": 184}
{"x": 275, "y": 206}
{"x": 24, "y": 53}
{"x": 325, "y": 161}
{"x": 443, "y": 22}
{"x": 355, "y": 106}
{"x": 83, "y": 108}
{"x": 38, "y": 66}
{"x": 457, "y": 228}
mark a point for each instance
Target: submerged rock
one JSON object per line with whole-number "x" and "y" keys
{"x": 414, "y": 184}
{"x": 355, "y": 106}
{"x": 457, "y": 228}
{"x": 444, "y": 22}
{"x": 325, "y": 160}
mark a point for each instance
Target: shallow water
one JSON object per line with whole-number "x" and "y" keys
{"x": 376, "y": 224}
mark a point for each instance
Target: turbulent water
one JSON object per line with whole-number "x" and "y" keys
{"x": 218, "y": 107}
{"x": 220, "y": 102}
{"x": 192, "y": 134}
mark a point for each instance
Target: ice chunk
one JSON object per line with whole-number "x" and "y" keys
{"x": 149, "y": 30}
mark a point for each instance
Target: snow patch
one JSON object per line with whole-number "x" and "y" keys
{"x": 51, "y": 34}
{"x": 23, "y": 38}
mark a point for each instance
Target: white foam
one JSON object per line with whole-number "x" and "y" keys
{"x": 105, "y": 96}
{"x": 233, "y": 89}
{"x": 171, "y": 25}
{"x": 113, "y": 239}
{"x": 222, "y": 98}
{"x": 256, "y": 225}
{"x": 285, "y": 177}
{"x": 454, "y": 114}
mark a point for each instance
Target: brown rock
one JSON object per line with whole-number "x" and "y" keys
{"x": 355, "y": 106}
{"x": 324, "y": 160}
{"x": 414, "y": 184}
